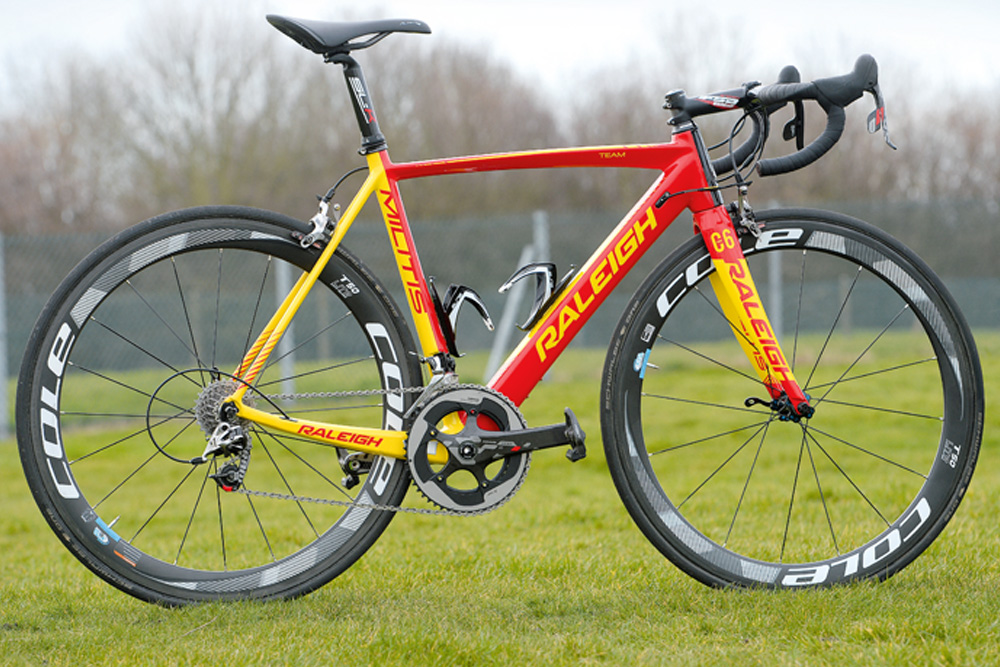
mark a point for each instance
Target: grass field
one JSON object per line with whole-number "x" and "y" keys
{"x": 560, "y": 575}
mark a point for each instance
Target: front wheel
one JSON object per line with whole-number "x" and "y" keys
{"x": 735, "y": 493}
{"x": 122, "y": 384}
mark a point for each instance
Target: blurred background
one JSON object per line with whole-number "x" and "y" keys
{"x": 112, "y": 112}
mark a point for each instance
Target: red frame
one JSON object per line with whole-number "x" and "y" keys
{"x": 683, "y": 183}
{"x": 682, "y": 173}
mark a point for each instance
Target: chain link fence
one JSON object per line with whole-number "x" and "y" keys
{"x": 958, "y": 241}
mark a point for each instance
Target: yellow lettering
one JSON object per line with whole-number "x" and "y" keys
{"x": 640, "y": 228}
{"x": 598, "y": 279}
{"x": 582, "y": 306}
{"x": 566, "y": 317}
{"x": 546, "y": 341}
{"x": 625, "y": 248}
{"x": 716, "y": 241}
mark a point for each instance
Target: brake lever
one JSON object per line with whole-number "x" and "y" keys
{"x": 876, "y": 119}
{"x": 796, "y": 127}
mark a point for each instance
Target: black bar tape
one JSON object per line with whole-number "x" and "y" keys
{"x": 724, "y": 164}
{"x": 812, "y": 152}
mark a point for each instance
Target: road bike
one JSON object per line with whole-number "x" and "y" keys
{"x": 161, "y": 442}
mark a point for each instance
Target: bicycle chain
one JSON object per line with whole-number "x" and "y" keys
{"x": 349, "y": 503}
{"x": 345, "y": 394}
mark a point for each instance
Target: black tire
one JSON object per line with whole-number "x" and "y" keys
{"x": 106, "y": 418}
{"x": 732, "y": 494}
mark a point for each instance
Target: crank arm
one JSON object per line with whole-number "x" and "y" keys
{"x": 496, "y": 445}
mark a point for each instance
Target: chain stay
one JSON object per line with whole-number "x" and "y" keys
{"x": 349, "y": 503}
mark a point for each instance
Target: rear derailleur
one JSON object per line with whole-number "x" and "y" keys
{"x": 232, "y": 441}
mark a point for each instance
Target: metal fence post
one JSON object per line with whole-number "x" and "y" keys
{"x": 776, "y": 308}
{"x": 5, "y": 412}
{"x": 537, "y": 251}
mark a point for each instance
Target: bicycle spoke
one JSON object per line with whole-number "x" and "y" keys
{"x": 306, "y": 411}
{"x": 194, "y": 510}
{"x": 814, "y": 429}
{"x": 163, "y": 503}
{"x": 142, "y": 431}
{"x": 798, "y": 309}
{"x": 113, "y": 415}
{"x": 709, "y": 438}
{"x": 121, "y": 384}
{"x": 891, "y": 411}
{"x": 710, "y": 359}
{"x": 125, "y": 480}
{"x": 288, "y": 487}
{"x": 791, "y": 501}
{"x": 222, "y": 526}
{"x": 260, "y": 525}
{"x": 291, "y": 451}
{"x": 870, "y": 374}
{"x": 313, "y": 372}
{"x": 721, "y": 466}
{"x": 256, "y": 308}
{"x": 141, "y": 466}
{"x": 140, "y": 348}
{"x": 162, "y": 320}
{"x": 108, "y": 378}
{"x": 187, "y": 315}
{"x": 833, "y": 327}
{"x": 218, "y": 304}
{"x": 843, "y": 472}
{"x": 746, "y": 484}
{"x": 863, "y": 353}
{"x": 273, "y": 360}
{"x": 691, "y": 401}
{"x": 822, "y": 498}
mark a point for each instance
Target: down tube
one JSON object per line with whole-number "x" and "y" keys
{"x": 593, "y": 284}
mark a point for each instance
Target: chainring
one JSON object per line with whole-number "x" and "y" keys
{"x": 454, "y": 421}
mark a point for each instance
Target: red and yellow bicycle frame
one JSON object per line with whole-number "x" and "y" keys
{"x": 682, "y": 184}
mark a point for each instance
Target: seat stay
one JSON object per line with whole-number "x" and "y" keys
{"x": 256, "y": 357}
{"x": 687, "y": 181}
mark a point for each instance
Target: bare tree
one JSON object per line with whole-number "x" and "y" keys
{"x": 219, "y": 108}
{"x": 216, "y": 111}
{"x": 55, "y": 174}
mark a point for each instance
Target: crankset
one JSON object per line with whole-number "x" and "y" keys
{"x": 488, "y": 448}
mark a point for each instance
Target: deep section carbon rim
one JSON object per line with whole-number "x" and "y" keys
{"x": 129, "y": 363}
{"x": 735, "y": 493}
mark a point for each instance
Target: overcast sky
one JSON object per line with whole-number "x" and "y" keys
{"x": 558, "y": 37}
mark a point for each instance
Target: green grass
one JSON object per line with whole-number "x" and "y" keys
{"x": 559, "y": 575}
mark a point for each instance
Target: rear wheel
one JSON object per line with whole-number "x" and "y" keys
{"x": 733, "y": 491}
{"x": 122, "y": 382}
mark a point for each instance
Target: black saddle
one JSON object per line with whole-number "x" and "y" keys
{"x": 329, "y": 38}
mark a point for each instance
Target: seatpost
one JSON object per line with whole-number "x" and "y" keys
{"x": 372, "y": 139}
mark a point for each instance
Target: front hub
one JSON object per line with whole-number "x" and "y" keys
{"x": 782, "y": 407}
